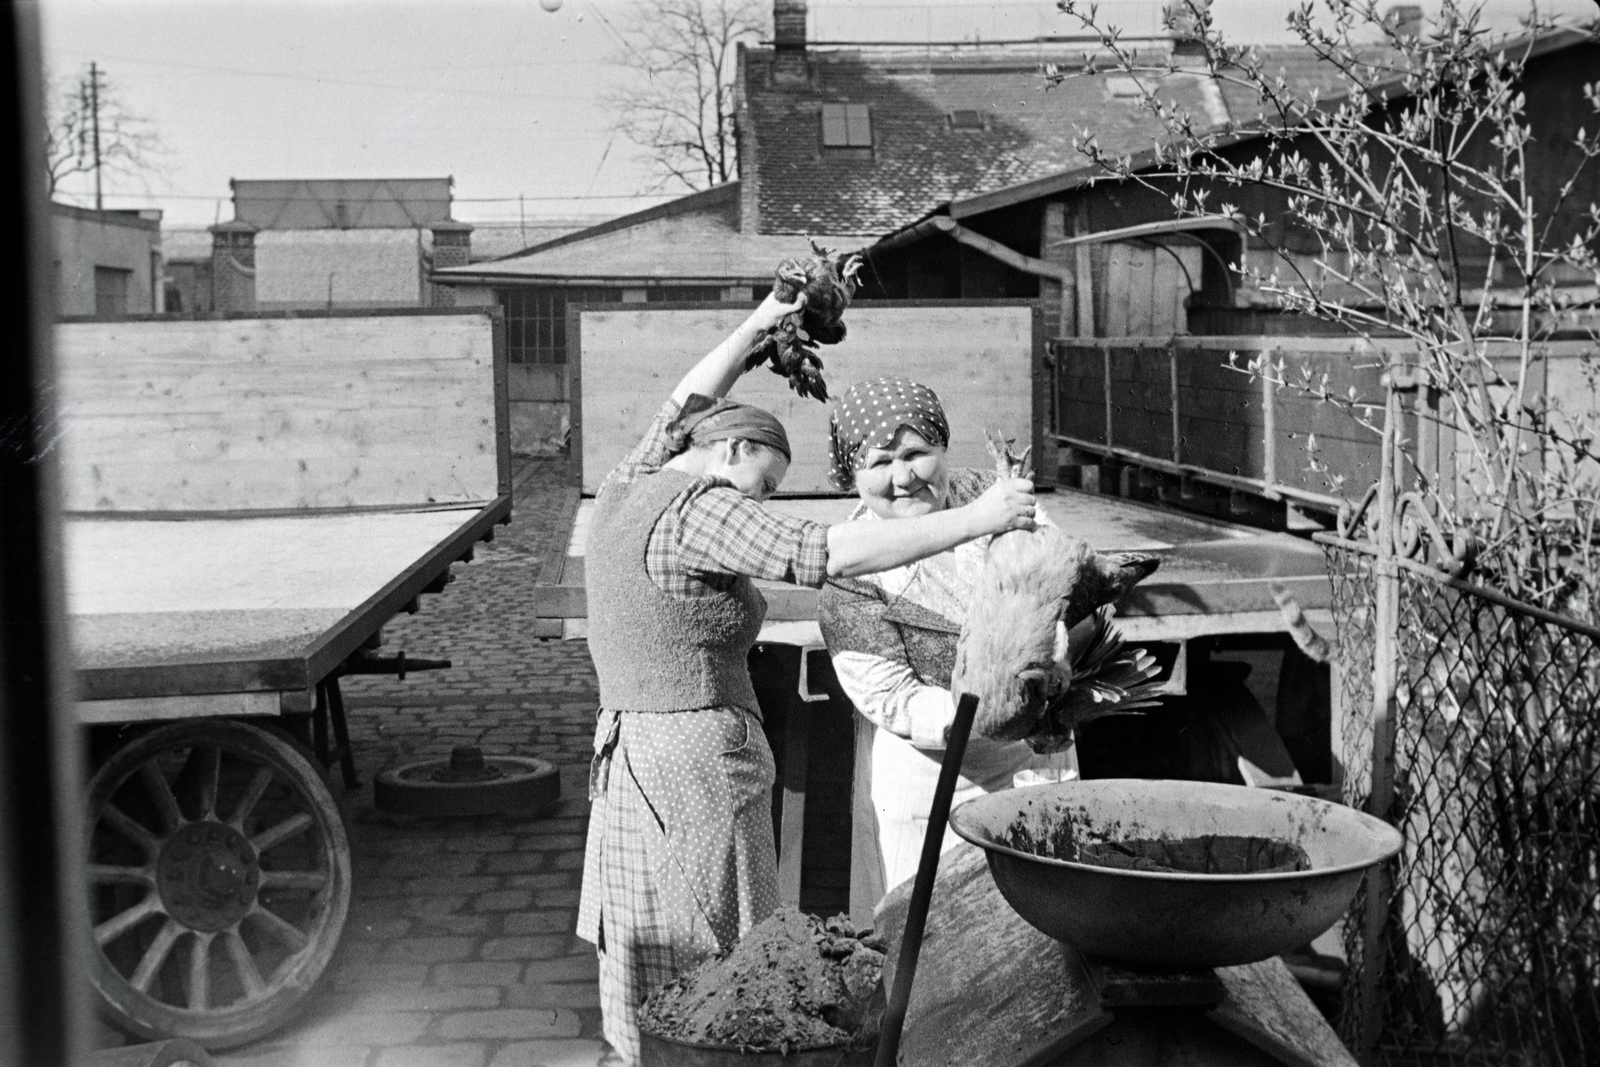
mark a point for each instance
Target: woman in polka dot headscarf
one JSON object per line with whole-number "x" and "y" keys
{"x": 893, "y": 634}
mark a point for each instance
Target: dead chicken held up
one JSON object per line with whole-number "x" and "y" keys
{"x": 828, "y": 282}
{"x": 1014, "y": 653}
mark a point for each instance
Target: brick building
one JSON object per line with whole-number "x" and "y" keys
{"x": 335, "y": 243}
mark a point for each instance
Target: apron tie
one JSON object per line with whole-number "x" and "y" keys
{"x": 608, "y": 725}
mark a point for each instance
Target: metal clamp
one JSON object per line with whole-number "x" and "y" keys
{"x": 804, "y": 687}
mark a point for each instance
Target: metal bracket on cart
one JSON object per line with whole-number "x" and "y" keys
{"x": 328, "y": 712}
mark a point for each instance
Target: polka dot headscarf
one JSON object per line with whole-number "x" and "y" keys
{"x": 869, "y": 414}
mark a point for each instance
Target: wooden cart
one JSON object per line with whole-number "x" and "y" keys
{"x": 247, "y": 502}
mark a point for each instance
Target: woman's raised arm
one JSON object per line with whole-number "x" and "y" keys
{"x": 718, "y": 369}
{"x": 867, "y": 547}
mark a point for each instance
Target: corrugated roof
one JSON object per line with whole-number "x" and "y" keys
{"x": 341, "y": 203}
{"x": 917, "y": 158}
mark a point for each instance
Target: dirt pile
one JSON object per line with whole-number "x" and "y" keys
{"x": 794, "y": 982}
{"x": 1205, "y": 854}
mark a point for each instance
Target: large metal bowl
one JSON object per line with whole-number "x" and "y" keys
{"x": 1167, "y": 919}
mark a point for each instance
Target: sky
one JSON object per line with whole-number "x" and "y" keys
{"x": 502, "y": 95}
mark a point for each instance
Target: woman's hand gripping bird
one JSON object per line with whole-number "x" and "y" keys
{"x": 828, "y": 283}
{"x": 1016, "y": 651}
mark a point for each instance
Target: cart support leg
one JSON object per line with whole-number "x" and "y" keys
{"x": 330, "y": 712}
{"x": 341, "y": 735}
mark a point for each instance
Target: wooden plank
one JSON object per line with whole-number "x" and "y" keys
{"x": 565, "y": 512}
{"x": 1141, "y": 291}
{"x": 279, "y": 413}
{"x": 991, "y": 991}
{"x": 1083, "y": 273}
{"x": 791, "y": 836}
{"x": 978, "y": 358}
{"x": 225, "y": 671}
{"x": 1265, "y": 1005}
{"x": 1142, "y": 629}
{"x": 502, "y": 401}
{"x": 151, "y": 709}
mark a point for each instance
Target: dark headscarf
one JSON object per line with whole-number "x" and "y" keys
{"x": 869, "y": 415}
{"x": 703, "y": 419}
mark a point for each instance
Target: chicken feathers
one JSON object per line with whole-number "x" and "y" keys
{"x": 829, "y": 282}
{"x": 1014, "y": 653}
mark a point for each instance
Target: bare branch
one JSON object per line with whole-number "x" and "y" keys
{"x": 677, "y": 104}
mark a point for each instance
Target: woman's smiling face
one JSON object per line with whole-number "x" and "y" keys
{"x": 907, "y": 479}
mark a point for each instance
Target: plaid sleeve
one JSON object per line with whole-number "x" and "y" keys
{"x": 722, "y": 531}
{"x": 650, "y": 453}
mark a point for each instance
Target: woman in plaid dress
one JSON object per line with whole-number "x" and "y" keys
{"x": 680, "y": 859}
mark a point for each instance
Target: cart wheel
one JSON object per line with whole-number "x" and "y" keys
{"x": 219, "y": 881}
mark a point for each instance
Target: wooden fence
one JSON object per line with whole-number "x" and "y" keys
{"x": 1180, "y": 406}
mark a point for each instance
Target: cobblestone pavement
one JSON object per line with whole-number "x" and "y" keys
{"x": 459, "y": 950}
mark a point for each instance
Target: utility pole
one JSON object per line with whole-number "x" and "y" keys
{"x": 94, "y": 116}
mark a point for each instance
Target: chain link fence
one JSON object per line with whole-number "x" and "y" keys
{"x": 1483, "y": 945}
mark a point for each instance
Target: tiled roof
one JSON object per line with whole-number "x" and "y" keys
{"x": 1300, "y": 69}
{"x": 917, "y": 159}
{"x": 492, "y": 240}
{"x": 692, "y": 240}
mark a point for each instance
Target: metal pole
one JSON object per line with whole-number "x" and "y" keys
{"x": 94, "y": 113}
{"x": 43, "y": 1016}
{"x": 894, "y": 1014}
{"x": 1172, "y": 367}
{"x": 1269, "y": 428}
{"x": 1105, "y": 364}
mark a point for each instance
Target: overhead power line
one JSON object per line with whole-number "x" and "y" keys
{"x": 453, "y": 199}
{"x": 329, "y": 79}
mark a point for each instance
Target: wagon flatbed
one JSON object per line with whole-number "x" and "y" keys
{"x": 168, "y": 614}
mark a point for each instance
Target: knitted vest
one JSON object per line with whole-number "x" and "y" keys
{"x": 655, "y": 652}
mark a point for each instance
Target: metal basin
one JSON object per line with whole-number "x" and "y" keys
{"x": 1169, "y": 919}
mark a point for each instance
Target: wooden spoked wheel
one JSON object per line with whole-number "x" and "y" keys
{"x": 219, "y": 881}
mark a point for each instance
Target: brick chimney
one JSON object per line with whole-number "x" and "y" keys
{"x": 233, "y": 267}
{"x": 452, "y": 244}
{"x": 1183, "y": 22}
{"x": 789, "y": 41}
{"x": 452, "y": 247}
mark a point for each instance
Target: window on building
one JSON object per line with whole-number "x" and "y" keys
{"x": 111, "y": 286}
{"x": 536, "y": 320}
{"x": 965, "y": 119}
{"x": 846, "y": 126}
